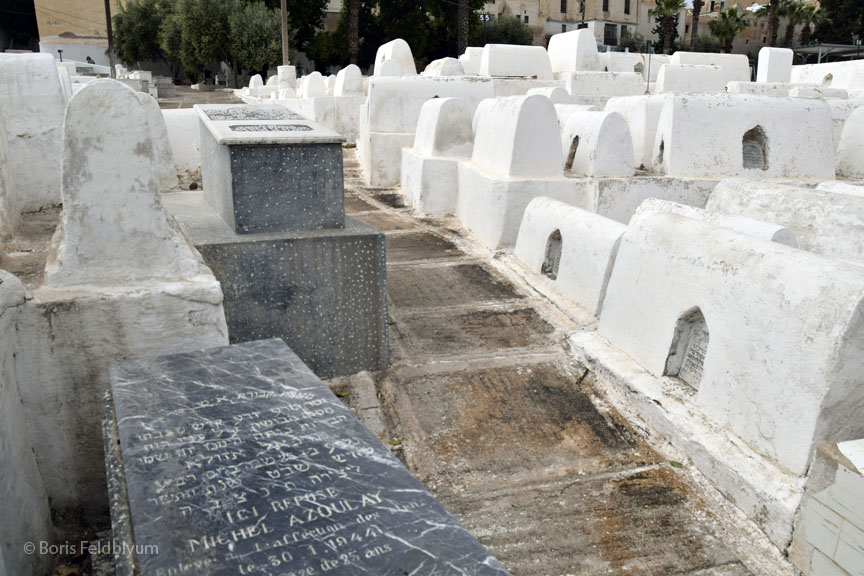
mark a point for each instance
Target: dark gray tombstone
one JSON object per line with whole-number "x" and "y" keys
{"x": 271, "y": 225}
{"x": 238, "y": 460}
{"x": 267, "y": 169}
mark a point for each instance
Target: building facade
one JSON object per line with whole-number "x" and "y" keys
{"x": 77, "y": 27}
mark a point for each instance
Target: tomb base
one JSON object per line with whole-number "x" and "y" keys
{"x": 430, "y": 183}
{"x": 491, "y": 206}
{"x": 322, "y": 291}
{"x": 765, "y": 493}
{"x": 381, "y": 153}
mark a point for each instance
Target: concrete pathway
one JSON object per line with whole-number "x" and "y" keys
{"x": 485, "y": 406}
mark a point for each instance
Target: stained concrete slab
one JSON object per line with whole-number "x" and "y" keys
{"x": 426, "y": 287}
{"x": 476, "y": 330}
{"x": 420, "y": 246}
{"x": 354, "y": 204}
{"x": 385, "y": 222}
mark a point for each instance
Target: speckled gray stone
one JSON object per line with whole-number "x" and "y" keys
{"x": 323, "y": 291}
{"x": 267, "y": 169}
{"x": 238, "y": 460}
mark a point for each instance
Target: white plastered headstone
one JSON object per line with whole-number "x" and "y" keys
{"x": 114, "y": 229}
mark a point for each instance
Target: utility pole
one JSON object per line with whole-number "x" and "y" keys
{"x": 285, "y": 59}
{"x": 462, "y": 27}
{"x": 110, "y": 38}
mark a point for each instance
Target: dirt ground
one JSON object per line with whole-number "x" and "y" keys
{"x": 185, "y": 97}
{"x": 484, "y": 405}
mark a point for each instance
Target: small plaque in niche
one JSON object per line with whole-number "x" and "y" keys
{"x": 271, "y": 128}
{"x": 251, "y": 113}
{"x": 694, "y": 357}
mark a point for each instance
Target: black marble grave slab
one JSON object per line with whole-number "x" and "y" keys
{"x": 238, "y": 460}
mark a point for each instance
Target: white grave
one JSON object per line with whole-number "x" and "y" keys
{"x": 511, "y": 61}
{"x": 775, "y": 65}
{"x": 110, "y": 175}
{"x": 573, "y": 51}
{"x": 597, "y": 144}
{"x": 32, "y": 104}
{"x": 389, "y": 118}
{"x": 121, "y": 282}
{"x": 430, "y": 168}
{"x": 850, "y": 150}
{"x": 398, "y": 52}
{"x": 734, "y": 66}
{"x": 349, "y": 81}
{"x": 556, "y": 94}
{"x": 642, "y": 114}
{"x": 182, "y": 127}
{"x": 691, "y": 78}
{"x": 165, "y": 169}
{"x": 516, "y": 158}
{"x": 9, "y": 211}
{"x": 765, "y": 335}
{"x": 767, "y": 231}
{"x": 471, "y": 60}
{"x": 444, "y": 67}
{"x": 824, "y": 223}
{"x": 717, "y": 135}
{"x": 570, "y": 248}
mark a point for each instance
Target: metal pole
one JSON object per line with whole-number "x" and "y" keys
{"x": 112, "y": 72}
{"x": 285, "y": 59}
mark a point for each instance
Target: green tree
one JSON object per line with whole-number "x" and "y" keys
{"x": 810, "y": 16}
{"x": 136, "y": 30}
{"x": 667, "y": 13}
{"x": 694, "y": 27}
{"x": 792, "y": 10}
{"x": 727, "y": 27}
{"x": 635, "y": 42}
{"x": 508, "y": 30}
{"x": 844, "y": 20}
{"x": 256, "y": 37}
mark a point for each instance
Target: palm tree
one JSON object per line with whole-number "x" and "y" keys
{"x": 727, "y": 27}
{"x": 770, "y": 11}
{"x": 665, "y": 12}
{"x": 791, "y": 10}
{"x": 353, "y": 30}
{"x": 811, "y": 16}
{"x": 697, "y": 10}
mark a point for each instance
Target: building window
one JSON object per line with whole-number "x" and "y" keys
{"x": 686, "y": 28}
{"x": 626, "y": 6}
{"x": 605, "y": 5}
{"x": 563, "y": 27}
{"x": 526, "y": 18}
{"x": 563, "y": 6}
{"x": 610, "y": 34}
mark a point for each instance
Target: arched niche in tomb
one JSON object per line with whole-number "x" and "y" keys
{"x": 552, "y": 261}
{"x": 639, "y": 68}
{"x": 826, "y": 81}
{"x": 689, "y": 346}
{"x": 754, "y": 149}
{"x": 571, "y": 155}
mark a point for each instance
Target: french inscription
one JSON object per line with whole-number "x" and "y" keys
{"x": 270, "y": 128}
{"x": 694, "y": 356}
{"x": 252, "y": 113}
{"x": 253, "y": 472}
